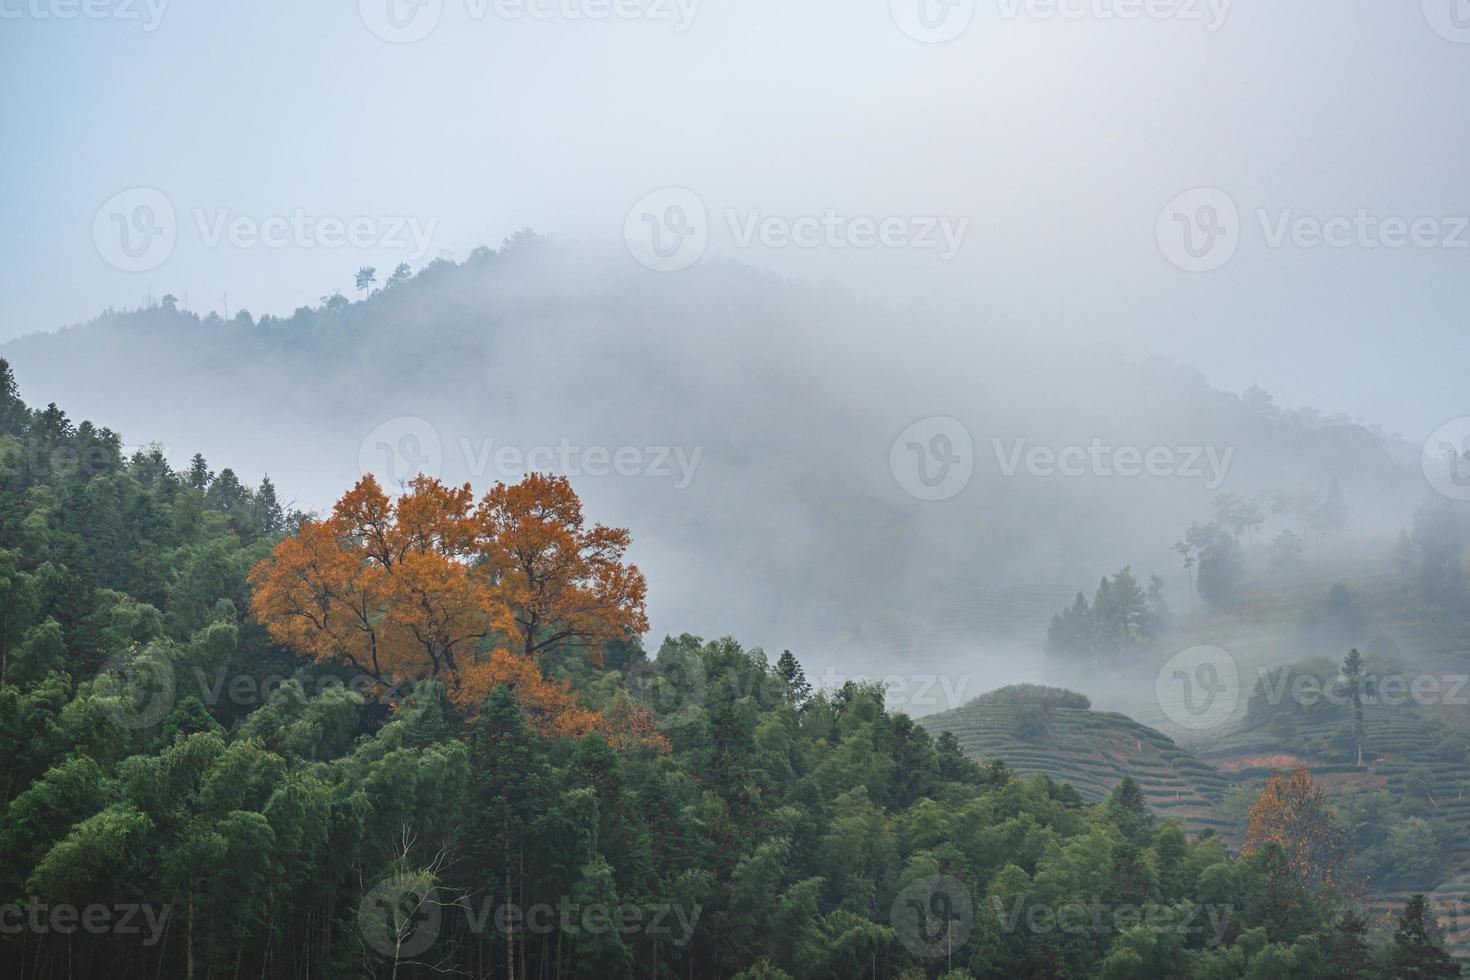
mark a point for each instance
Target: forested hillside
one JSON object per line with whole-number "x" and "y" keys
{"x": 212, "y": 769}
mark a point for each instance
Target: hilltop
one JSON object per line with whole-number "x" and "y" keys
{"x": 1054, "y": 731}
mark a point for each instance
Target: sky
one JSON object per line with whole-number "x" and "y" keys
{"x": 1275, "y": 193}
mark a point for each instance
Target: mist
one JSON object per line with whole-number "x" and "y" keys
{"x": 794, "y": 500}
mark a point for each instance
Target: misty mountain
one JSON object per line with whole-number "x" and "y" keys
{"x": 747, "y": 428}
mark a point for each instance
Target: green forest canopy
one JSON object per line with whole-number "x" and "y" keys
{"x": 183, "y": 799}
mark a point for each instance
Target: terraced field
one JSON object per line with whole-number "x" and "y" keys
{"x": 1092, "y": 750}
{"x": 1396, "y": 741}
{"x": 1450, "y": 902}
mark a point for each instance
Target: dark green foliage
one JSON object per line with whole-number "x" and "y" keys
{"x": 157, "y": 751}
{"x": 1220, "y": 565}
{"x": 798, "y": 689}
{"x": 1049, "y": 697}
{"x": 1348, "y": 954}
{"x": 1030, "y": 724}
{"x": 1418, "y": 950}
{"x": 1121, "y": 621}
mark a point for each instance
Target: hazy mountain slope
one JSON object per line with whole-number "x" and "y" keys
{"x": 785, "y": 400}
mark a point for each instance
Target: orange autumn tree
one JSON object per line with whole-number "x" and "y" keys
{"x": 564, "y": 582}
{"x": 1293, "y": 813}
{"x": 436, "y": 586}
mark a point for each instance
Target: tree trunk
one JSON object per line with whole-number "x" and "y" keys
{"x": 510, "y": 939}
{"x": 189, "y": 941}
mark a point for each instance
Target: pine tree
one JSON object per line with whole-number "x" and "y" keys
{"x": 199, "y": 476}
{"x": 954, "y": 765}
{"x": 1129, "y": 810}
{"x": 1348, "y": 956}
{"x": 798, "y": 690}
{"x": 267, "y": 508}
{"x": 399, "y": 275}
{"x": 1352, "y": 670}
{"x": 13, "y": 413}
{"x": 225, "y": 492}
{"x": 1417, "y": 951}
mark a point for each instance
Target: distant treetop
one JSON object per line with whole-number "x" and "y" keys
{"x": 1054, "y": 697}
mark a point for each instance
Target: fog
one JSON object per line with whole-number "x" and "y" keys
{"x": 893, "y": 242}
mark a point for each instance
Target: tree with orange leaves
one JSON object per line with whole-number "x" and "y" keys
{"x": 394, "y": 589}
{"x": 565, "y": 583}
{"x": 1293, "y": 813}
{"x": 435, "y": 586}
